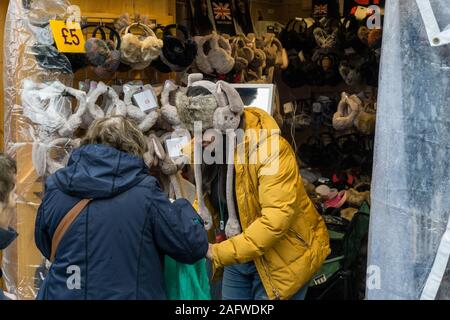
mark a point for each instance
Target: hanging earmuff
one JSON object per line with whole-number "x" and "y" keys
{"x": 104, "y": 53}
{"x": 139, "y": 51}
{"x": 177, "y": 54}
{"x": 219, "y": 59}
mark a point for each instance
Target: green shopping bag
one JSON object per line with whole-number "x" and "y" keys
{"x": 186, "y": 282}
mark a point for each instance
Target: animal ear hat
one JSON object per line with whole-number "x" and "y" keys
{"x": 229, "y": 106}
{"x": 226, "y": 118}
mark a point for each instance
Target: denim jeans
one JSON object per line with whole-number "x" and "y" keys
{"x": 242, "y": 282}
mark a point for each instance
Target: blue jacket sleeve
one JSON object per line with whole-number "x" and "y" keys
{"x": 7, "y": 237}
{"x": 178, "y": 229}
{"x": 41, "y": 236}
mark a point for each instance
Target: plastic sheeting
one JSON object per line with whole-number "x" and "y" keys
{"x": 25, "y": 59}
{"x": 411, "y": 183}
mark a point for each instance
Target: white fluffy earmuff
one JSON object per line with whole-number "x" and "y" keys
{"x": 169, "y": 112}
{"x": 112, "y": 105}
{"x": 48, "y": 106}
{"x": 140, "y": 51}
{"x": 42, "y": 157}
{"x": 144, "y": 120}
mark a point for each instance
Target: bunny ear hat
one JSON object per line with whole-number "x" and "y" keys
{"x": 222, "y": 110}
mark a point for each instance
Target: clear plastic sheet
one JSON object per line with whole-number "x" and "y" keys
{"x": 26, "y": 29}
{"x": 410, "y": 198}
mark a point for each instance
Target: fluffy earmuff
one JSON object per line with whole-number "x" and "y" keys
{"x": 348, "y": 109}
{"x": 168, "y": 111}
{"x": 324, "y": 39}
{"x": 219, "y": 58}
{"x": 104, "y": 53}
{"x": 178, "y": 54}
{"x": 140, "y": 51}
{"x": 350, "y": 73}
{"x": 145, "y": 120}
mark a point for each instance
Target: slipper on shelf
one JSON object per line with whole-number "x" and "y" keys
{"x": 336, "y": 202}
{"x": 343, "y": 180}
{"x": 356, "y": 198}
{"x": 326, "y": 193}
{"x": 348, "y": 213}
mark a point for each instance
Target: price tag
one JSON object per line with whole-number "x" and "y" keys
{"x": 175, "y": 146}
{"x": 145, "y": 100}
{"x": 68, "y": 40}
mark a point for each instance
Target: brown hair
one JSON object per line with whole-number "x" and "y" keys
{"x": 117, "y": 132}
{"x": 8, "y": 171}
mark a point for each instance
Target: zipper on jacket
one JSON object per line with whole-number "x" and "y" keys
{"x": 275, "y": 291}
{"x": 300, "y": 238}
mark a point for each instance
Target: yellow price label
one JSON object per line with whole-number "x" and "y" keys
{"x": 68, "y": 39}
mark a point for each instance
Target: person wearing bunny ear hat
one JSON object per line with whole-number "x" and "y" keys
{"x": 269, "y": 240}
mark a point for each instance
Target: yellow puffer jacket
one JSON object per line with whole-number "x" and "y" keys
{"x": 282, "y": 232}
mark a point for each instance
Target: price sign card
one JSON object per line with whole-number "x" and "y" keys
{"x": 175, "y": 146}
{"x": 68, "y": 39}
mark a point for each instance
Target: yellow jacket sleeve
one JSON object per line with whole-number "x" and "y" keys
{"x": 278, "y": 177}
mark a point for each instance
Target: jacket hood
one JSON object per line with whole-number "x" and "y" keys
{"x": 99, "y": 171}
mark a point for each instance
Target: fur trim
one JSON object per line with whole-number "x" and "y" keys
{"x": 192, "y": 109}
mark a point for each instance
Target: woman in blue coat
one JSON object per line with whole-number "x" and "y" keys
{"x": 115, "y": 248}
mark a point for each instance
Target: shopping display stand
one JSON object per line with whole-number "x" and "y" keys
{"x": 22, "y": 258}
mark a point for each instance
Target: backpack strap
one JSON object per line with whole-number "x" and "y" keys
{"x": 65, "y": 224}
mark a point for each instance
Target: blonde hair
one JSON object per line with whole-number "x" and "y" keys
{"x": 117, "y": 132}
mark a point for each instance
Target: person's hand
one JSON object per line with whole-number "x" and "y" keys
{"x": 209, "y": 253}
